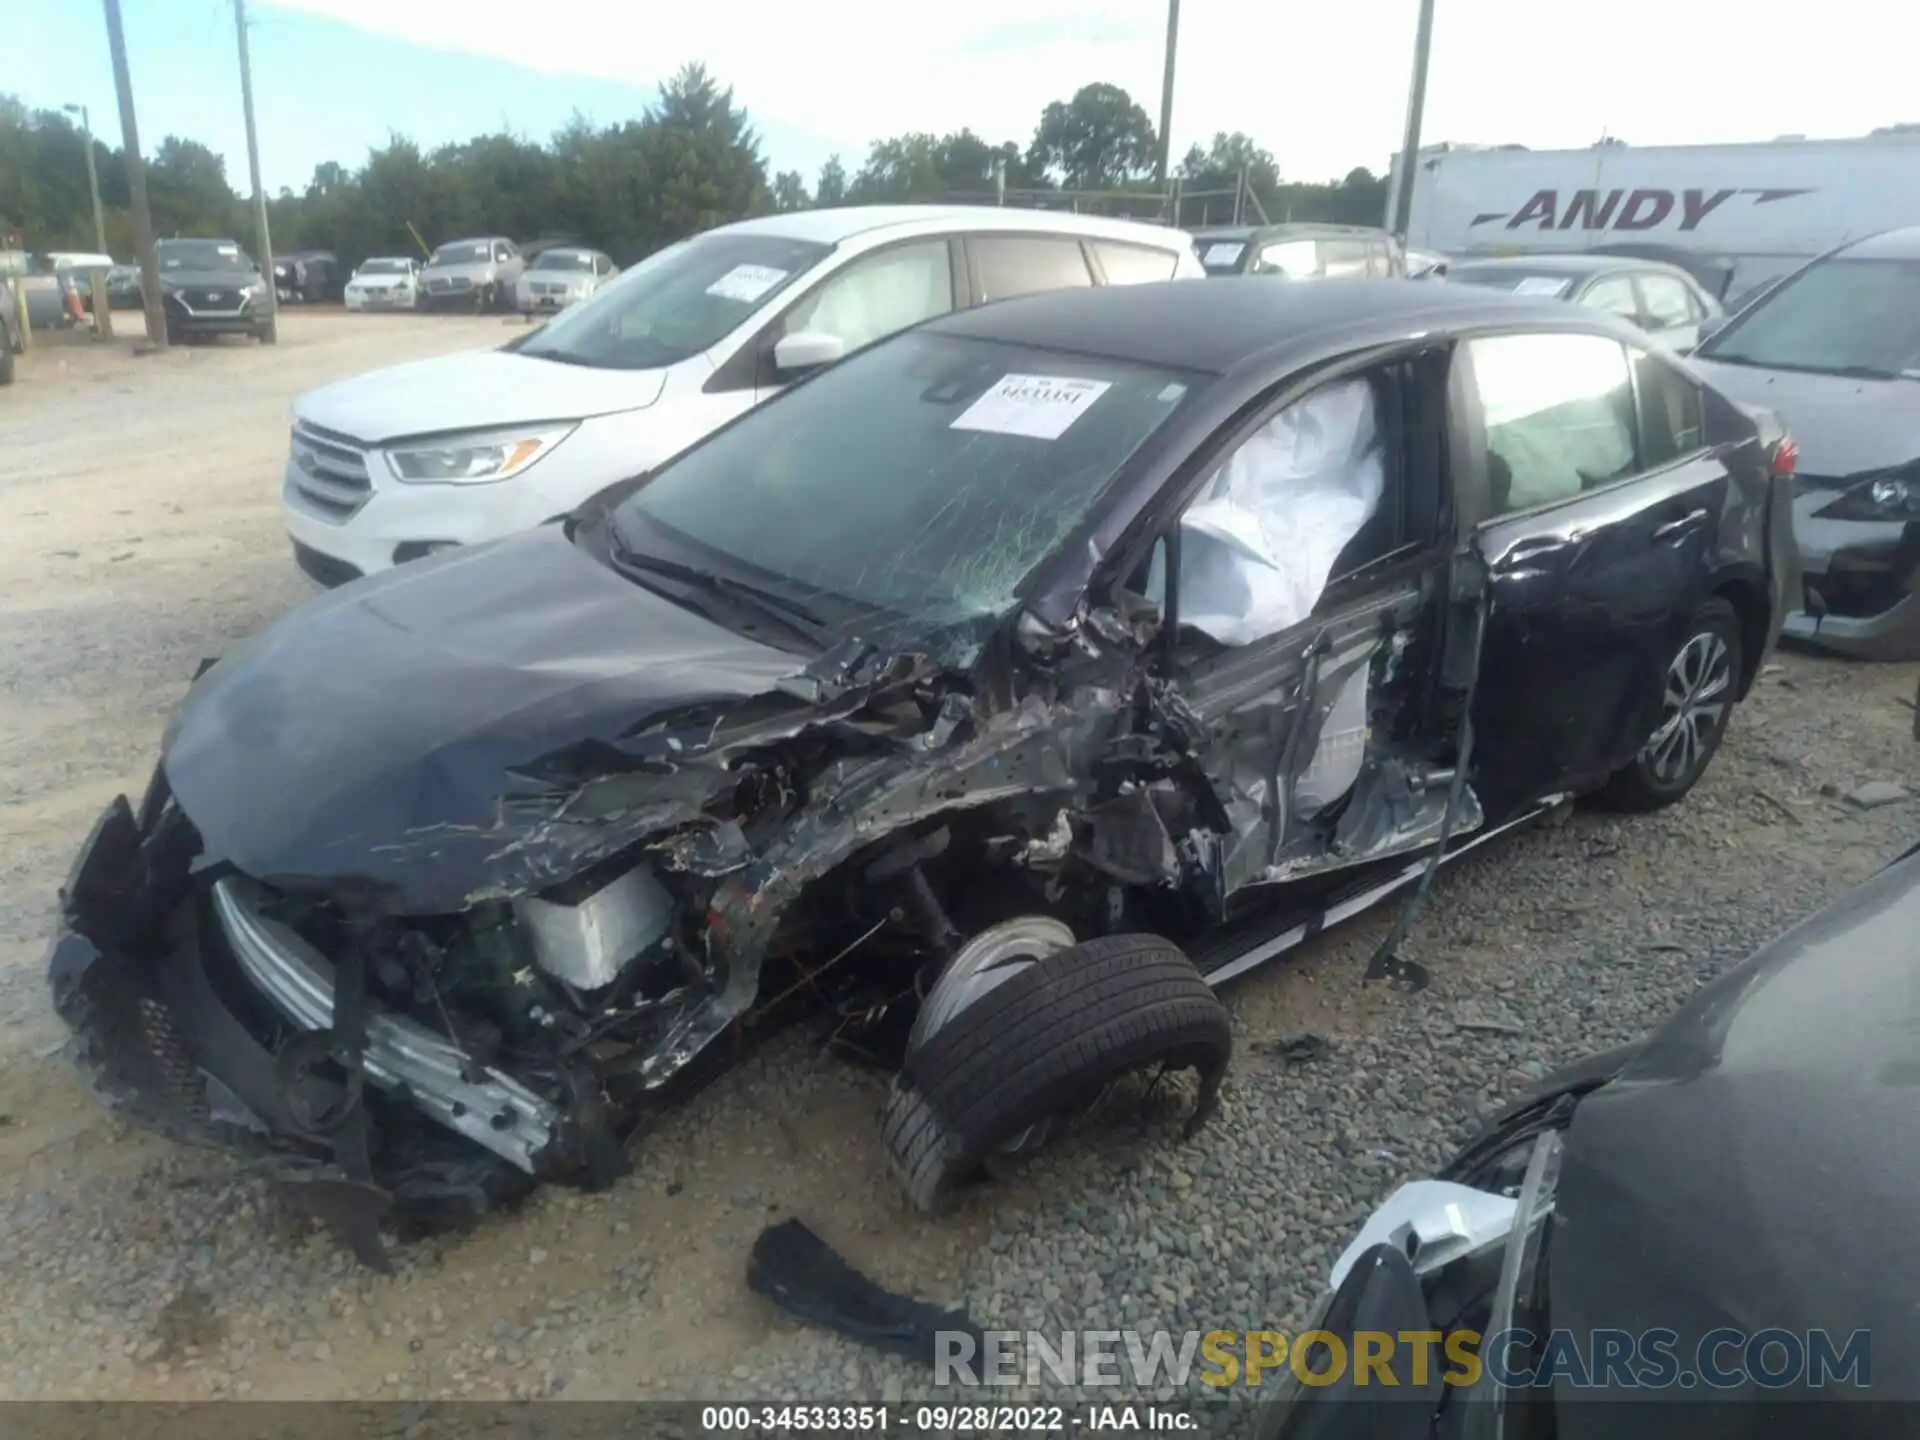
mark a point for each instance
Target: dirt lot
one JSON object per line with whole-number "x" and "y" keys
{"x": 139, "y": 533}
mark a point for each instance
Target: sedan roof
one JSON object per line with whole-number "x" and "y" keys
{"x": 1219, "y": 325}
{"x": 1888, "y": 245}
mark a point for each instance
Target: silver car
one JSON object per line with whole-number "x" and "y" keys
{"x": 1834, "y": 350}
{"x": 472, "y": 274}
{"x": 558, "y": 276}
{"x": 1664, "y": 300}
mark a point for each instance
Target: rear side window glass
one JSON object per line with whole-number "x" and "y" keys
{"x": 1558, "y": 411}
{"x": 1670, "y": 412}
{"x": 1296, "y": 259}
{"x": 1133, "y": 264}
{"x": 1668, "y": 301}
{"x": 1343, "y": 259}
{"x": 1022, "y": 264}
{"x": 1614, "y": 294}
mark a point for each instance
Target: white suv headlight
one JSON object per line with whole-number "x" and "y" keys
{"x": 477, "y": 457}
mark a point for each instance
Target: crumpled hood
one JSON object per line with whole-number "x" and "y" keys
{"x": 418, "y": 733}
{"x": 1843, "y": 426}
{"x": 472, "y": 390}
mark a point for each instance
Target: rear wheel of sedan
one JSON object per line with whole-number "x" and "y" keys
{"x": 993, "y": 1078}
{"x": 1696, "y": 703}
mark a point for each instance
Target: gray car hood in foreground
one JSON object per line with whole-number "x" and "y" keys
{"x": 473, "y": 390}
{"x": 1753, "y": 1165}
{"x": 1842, "y": 424}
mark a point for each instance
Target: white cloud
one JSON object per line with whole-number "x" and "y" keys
{"x": 1322, "y": 85}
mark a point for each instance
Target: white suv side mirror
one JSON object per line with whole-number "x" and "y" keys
{"x": 806, "y": 350}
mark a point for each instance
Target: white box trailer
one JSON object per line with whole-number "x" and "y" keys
{"x": 1763, "y": 209}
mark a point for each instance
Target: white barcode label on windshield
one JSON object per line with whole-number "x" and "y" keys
{"x": 1038, "y": 406}
{"x": 746, "y": 283}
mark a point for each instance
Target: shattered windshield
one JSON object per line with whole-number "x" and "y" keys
{"x": 677, "y": 302}
{"x": 1842, "y": 317}
{"x": 926, "y": 477}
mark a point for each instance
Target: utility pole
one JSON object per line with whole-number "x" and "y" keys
{"x": 1400, "y": 198}
{"x": 253, "y": 157}
{"x": 136, "y": 181}
{"x": 1166, "y": 98}
{"x": 93, "y": 178}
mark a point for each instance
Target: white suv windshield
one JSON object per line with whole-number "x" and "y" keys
{"x": 926, "y": 477}
{"x": 675, "y": 303}
{"x": 1840, "y": 317}
{"x": 466, "y": 252}
{"x": 384, "y": 267}
{"x": 563, "y": 260}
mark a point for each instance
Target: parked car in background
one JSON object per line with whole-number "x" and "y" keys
{"x": 1056, "y": 660}
{"x": 475, "y": 274}
{"x": 123, "y": 288}
{"x": 1835, "y": 350}
{"x": 1713, "y": 273}
{"x": 213, "y": 287}
{"x": 1661, "y": 299}
{"x": 1301, "y": 251}
{"x": 385, "y": 282}
{"x": 308, "y": 276}
{"x": 560, "y": 275}
{"x": 1630, "y": 1198}
{"x": 394, "y": 465}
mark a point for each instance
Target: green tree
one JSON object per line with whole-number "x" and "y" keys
{"x": 790, "y": 191}
{"x": 832, "y": 186}
{"x": 1100, "y": 139}
{"x": 1221, "y": 164}
{"x": 702, "y": 156}
{"x": 188, "y": 190}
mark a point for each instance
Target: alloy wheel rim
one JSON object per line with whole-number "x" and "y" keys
{"x": 1692, "y": 708}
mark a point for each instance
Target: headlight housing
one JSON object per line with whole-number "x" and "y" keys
{"x": 476, "y": 457}
{"x": 1893, "y": 495}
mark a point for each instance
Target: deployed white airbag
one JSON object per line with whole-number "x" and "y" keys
{"x": 1258, "y": 544}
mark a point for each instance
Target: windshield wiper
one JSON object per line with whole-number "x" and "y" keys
{"x": 791, "y": 613}
{"x": 1842, "y": 372}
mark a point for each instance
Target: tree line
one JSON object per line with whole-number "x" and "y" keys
{"x": 692, "y": 160}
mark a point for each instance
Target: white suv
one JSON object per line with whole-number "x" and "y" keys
{"x": 470, "y": 447}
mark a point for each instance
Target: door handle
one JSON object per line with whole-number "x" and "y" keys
{"x": 1676, "y": 527}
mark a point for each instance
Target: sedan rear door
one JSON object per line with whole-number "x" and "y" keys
{"x": 1594, "y": 499}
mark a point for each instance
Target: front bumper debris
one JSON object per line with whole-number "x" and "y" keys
{"x": 491, "y": 1109}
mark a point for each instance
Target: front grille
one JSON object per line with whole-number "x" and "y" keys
{"x": 440, "y": 285}
{"x": 323, "y": 569}
{"x": 330, "y": 472}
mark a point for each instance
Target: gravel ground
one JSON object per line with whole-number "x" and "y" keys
{"x": 134, "y": 1269}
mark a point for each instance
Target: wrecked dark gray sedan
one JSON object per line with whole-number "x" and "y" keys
{"x": 997, "y": 693}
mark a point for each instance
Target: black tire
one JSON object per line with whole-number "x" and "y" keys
{"x": 1044, "y": 1041}
{"x": 1655, "y": 778}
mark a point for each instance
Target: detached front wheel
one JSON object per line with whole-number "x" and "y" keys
{"x": 1695, "y": 706}
{"x": 994, "y": 1075}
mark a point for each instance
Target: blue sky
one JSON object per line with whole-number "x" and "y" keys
{"x": 1321, "y": 83}
{"x": 323, "y": 89}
